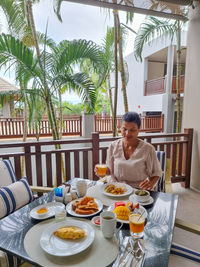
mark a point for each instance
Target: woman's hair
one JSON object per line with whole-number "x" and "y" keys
{"x": 132, "y": 117}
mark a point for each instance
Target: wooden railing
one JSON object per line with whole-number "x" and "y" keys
{"x": 44, "y": 164}
{"x": 158, "y": 86}
{"x": 181, "y": 85}
{"x": 155, "y": 86}
{"x": 14, "y": 127}
{"x": 148, "y": 124}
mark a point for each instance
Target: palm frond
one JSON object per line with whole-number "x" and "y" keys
{"x": 13, "y": 51}
{"x": 151, "y": 28}
{"x": 56, "y": 7}
{"x": 81, "y": 84}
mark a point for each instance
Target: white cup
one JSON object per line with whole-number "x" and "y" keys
{"x": 81, "y": 187}
{"x": 108, "y": 222}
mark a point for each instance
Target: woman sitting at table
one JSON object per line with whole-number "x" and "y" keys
{"x": 131, "y": 160}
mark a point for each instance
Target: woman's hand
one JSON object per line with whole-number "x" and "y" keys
{"x": 149, "y": 183}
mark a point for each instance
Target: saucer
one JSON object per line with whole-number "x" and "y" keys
{"x": 149, "y": 202}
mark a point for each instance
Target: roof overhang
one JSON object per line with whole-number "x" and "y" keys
{"x": 172, "y": 9}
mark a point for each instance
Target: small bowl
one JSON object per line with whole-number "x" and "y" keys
{"x": 42, "y": 212}
{"x": 141, "y": 195}
{"x": 96, "y": 221}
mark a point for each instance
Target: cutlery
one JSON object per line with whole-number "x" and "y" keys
{"x": 123, "y": 245}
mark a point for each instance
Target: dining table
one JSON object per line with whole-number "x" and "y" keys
{"x": 157, "y": 238}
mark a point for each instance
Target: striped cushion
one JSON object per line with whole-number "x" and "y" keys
{"x": 7, "y": 173}
{"x": 14, "y": 196}
{"x": 160, "y": 187}
{"x": 185, "y": 252}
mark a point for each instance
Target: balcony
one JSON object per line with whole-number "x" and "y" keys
{"x": 158, "y": 86}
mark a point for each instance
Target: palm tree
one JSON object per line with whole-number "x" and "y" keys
{"x": 153, "y": 27}
{"x": 118, "y": 43}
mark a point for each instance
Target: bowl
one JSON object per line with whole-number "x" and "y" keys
{"x": 42, "y": 211}
{"x": 141, "y": 195}
{"x": 96, "y": 220}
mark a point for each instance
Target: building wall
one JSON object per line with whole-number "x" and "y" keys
{"x": 155, "y": 70}
{"x": 191, "y": 107}
{"x": 137, "y": 76}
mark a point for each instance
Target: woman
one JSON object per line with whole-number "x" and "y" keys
{"x": 132, "y": 160}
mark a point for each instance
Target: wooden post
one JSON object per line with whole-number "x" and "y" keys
{"x": 27, "y": 152}
{"x": 95, "y": 154}
{"x": 188, "y": 157}
{"x": 162, "y": 122}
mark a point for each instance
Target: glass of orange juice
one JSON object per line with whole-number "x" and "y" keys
{"x": 101, "y": 170}
{"x": 136, "y": 223}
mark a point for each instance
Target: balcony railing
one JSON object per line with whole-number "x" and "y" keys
{"x": 158, "y": 86}
{"x": 45, "y": 164}
{"x": 174, "y": 84}
{"x": 154, "y": 87}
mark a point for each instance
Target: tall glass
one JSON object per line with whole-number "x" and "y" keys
{"x": 101, "y": 170}
{"x": 136, "y": 223}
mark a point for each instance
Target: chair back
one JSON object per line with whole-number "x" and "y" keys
{"x": 160, "y": 187}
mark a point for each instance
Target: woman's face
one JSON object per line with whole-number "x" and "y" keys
{"x": 129, "y": 131}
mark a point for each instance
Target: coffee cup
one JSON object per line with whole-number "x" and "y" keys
{"x": 108, "y": 222}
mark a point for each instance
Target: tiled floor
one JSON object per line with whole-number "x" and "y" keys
{"x": 188, "y": 210}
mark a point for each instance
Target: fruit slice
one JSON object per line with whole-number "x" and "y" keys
{"x": 119, "y": 203}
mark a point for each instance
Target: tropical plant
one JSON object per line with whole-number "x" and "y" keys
{"x": 117, "y": 43}
{"x": 151, "y": 28}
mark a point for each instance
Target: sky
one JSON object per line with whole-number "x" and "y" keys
{"x": 79, "y": 22}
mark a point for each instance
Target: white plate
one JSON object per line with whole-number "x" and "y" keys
{"x": 73, "y": 213}
{"x": 133, "y": 199}
{"x": 128, "y": 188}
{"x": 51, "y": 206}
{"x": 140, "y": 210}
{"x": 56, "y": 246}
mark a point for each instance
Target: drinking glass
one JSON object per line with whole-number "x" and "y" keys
{"x": 136, "y": 223}
{"x": 101, "y": 170}
{"x": 60, "y": 214}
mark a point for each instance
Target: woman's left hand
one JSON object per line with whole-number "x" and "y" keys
{"x": 149, "y": 183}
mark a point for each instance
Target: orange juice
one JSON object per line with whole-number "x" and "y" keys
{"x": 136, "y": 223}
{"x": 101, "y": 169}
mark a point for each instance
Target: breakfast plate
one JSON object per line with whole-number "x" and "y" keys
{"x": 125, "y": 187}
{"x": 56, "y": 246}
{"x": 51, "y": 207}
{"x": 149, "y": 202}
{"x": 141, "y": 210}
{"x": 73, "y": 213}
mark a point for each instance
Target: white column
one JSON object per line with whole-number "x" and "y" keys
{"x": 167, "y": 99}
{"x": 191, "y": 106}
{"x": 87, "y": 125}
{"x": 170, "y": 65}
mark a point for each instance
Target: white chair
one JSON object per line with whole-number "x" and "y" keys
{"x": 160, "y": 187}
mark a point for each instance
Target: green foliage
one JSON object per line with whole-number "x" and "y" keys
{"x": 151, "y": 28}
{"x": 102, "y": 103}
{"x": 72, "y": 109}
